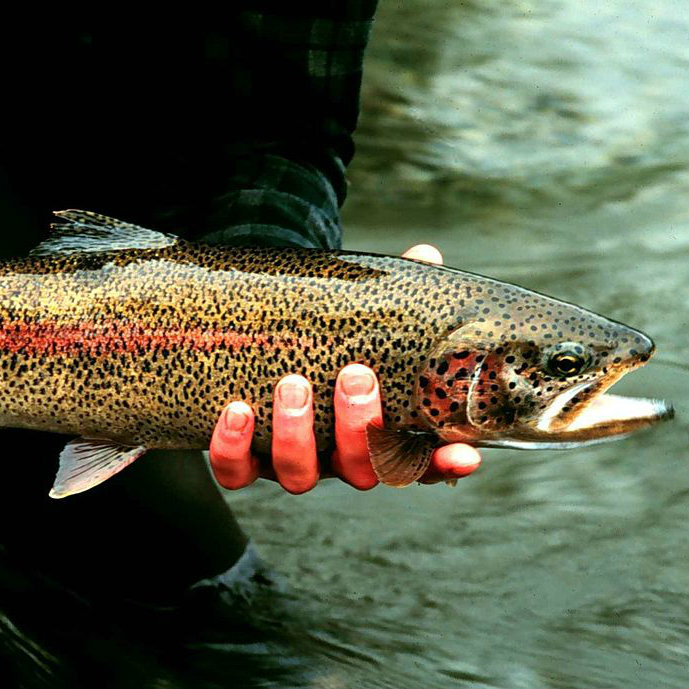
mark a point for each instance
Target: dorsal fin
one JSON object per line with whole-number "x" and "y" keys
{"x": 85, "y": 231}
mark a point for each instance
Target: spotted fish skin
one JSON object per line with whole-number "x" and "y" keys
{"x": 145, "y": 346}
{"x": 148, "y": 346}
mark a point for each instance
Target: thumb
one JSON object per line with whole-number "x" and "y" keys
{"x": 452, "y": 462}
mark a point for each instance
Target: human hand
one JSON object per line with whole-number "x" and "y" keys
{"x": 294, "y": 460}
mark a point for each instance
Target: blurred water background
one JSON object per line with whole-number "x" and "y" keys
{"x": 544, "y": 143}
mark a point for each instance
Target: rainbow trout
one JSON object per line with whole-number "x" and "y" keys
{"x": 133, "y": 340}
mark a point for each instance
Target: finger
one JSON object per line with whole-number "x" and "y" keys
{"x": 294, "y": 445}
{"x": 357, "y": 403}
{"x": 451, "y": 462}
{"x": 230, "y": 452}
{"x": 424, "y": 252}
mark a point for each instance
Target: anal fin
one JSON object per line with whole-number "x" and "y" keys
{"x": 86, "y": 462}
{"x": 399, "y": 456}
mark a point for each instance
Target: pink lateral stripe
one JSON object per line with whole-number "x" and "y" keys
{"x": 96, "y": 340}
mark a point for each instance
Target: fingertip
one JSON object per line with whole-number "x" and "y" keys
{"x": 297, "y": 469}
{"x": 292, "y": 396}
{"x": 293, "y": 449}
{"x": 299, "y": 485}
{"x": 356, "y": 471}
{"x": 364, "y": 483}
{"x": 357, "y": 403}
{"x": 293, "y": 379}
{"x": 235, "y": 479}
{"x": 237, "y": 416}
{"x": 354, "y": 368}
{"x": 232, "y": 476}
{"x": 456, "y": 460}
{"x": 356, "y": 379}
{"x": 355, "y": 384}
{"x": 231, "y": 460}
{"x": 424, "y": 252}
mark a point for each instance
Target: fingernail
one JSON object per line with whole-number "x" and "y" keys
{"x": 358, "y": 384}
{"x": 235, "y": 421}
{"x": 456, "y": 460}
{"x": 468, "y": 462}
{"x": 293, "y": 396}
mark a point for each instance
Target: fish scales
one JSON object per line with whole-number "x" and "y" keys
{"x": 152, "y": 344}
{"x": 136, "y": 340}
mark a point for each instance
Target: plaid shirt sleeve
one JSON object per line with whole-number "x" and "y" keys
{"x": 295, "y": 77}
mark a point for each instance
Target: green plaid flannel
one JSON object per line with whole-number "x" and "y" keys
{"x": 295, "y": 76}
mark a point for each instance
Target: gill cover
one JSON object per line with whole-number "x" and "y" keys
{"x": 471, "y": 384}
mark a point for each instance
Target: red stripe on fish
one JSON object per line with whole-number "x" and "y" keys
{"x": 48, "y": 338}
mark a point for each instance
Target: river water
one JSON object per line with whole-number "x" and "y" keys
{"x": 545, "y": 144}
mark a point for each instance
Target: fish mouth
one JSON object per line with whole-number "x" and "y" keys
{"x": 611, "y": 416}
{"x": 604, "y": 417}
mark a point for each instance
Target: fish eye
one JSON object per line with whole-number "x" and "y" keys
{"x": 567, "y": 362}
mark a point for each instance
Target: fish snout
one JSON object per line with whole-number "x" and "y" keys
{"x": 642, "y": 348}
{"x": 633, "y": 349}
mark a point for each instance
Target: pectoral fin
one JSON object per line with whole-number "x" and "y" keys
{"x": 399, "y": 456}
{"x": 86, "y": 462}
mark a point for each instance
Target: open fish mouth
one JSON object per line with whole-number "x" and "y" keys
{"x": 608, "y": 416}
{"x": 617, "y": 414}
{"x": 603, "y": 417}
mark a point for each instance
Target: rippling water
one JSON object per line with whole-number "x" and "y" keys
{"x": 546, "y": 144}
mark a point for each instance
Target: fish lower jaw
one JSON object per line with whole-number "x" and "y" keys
{"x": 607, "y": 417}
{"x": 620, "y": 414}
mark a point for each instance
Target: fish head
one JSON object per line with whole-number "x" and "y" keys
{"x": 529, "y": 371}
